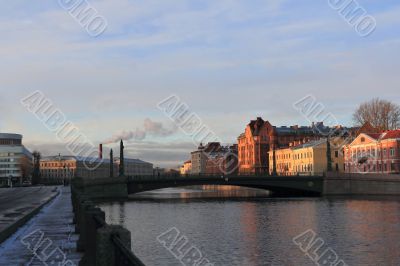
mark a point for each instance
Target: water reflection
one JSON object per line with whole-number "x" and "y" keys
{"x": 234, "y": 226}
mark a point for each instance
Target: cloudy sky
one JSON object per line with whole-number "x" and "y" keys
{"x": 228, "y": 60}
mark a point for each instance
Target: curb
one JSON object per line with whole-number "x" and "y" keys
{"x": 12, "y": 228}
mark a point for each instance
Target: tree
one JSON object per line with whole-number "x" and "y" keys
{"x": 26, "y": 168}
{"x": 36, "y": 168}
{"x": 382, "y": 114}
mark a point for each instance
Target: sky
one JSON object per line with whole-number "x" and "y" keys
{"x": 230, "y": 61}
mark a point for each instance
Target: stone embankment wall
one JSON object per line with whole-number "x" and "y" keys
{"x": 102, "y": 244}
{"x": 361, "y": 184}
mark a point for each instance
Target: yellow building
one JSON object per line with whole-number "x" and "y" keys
{"x": 307, "y": 158}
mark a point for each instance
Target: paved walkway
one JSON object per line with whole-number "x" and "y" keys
{"x": 47, "y": 239}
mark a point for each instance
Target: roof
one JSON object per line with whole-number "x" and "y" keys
{"x": 391, "y": 134}
{"x": 90, "y": 159}
{"x": 76, "y": 158}
{"x": 128, "y": 160}
{"x": 310, "y": 144}
{"x": 256, "y": 125}
{"x": 10, "y": 136}
{"x": 373, "y": 135}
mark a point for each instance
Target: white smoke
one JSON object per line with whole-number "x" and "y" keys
{"x": 149, "y": 128}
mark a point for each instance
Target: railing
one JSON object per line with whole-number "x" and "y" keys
{"x": 123, "y": 255}
{"x": 209, "y": 176}
{"x": 102, "y": 244}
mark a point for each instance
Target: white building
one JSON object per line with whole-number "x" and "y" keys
{"x": 16, "y": 162}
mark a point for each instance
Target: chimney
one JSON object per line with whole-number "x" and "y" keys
{"x": 100, "y": 151}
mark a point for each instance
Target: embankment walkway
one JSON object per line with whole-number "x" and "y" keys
{"x": 47, "y": 239}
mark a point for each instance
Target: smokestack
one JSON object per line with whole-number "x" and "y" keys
{"x": 100, "y": 151}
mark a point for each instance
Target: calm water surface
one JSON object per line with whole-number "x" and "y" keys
{"x": 232, "y": 226}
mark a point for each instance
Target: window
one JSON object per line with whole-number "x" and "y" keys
{"x": 362, "y": 139}
{"x": 392, "y": 152}
{"x": 336, "y": 154}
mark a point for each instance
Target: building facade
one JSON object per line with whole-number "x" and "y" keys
{"x": 186, "y": 168}
{"x": 68, "y": 167}
{"x": 214, "y": 159}
{"x": 16, "y": 162}
{"x": 200, "y": 156}
{"x": 374, "y": 153}
{"x": 134, "y": 167}
{"x": 223, "y": 162}
{"x": 260, "y": 137}
{"x": 307, "y": 158}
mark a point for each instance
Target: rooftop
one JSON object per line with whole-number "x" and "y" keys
{"x": 90, "y": 159}
{"x": 309, "y": 144}
{"x": 10, "y": 136}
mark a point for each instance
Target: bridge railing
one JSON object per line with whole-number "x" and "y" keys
{"x": 102, "y": 244}
{"x": 213, "y": 176}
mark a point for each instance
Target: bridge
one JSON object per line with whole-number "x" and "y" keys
{"x": 121, "y": 187}
{"x": 281, "y": 185}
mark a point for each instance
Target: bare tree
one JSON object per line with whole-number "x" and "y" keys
{"x": 382, "y": 114}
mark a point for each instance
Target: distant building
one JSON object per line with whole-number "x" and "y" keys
{"x": 16, "y": 162}
{"x": 67, "y": 167}
{"x": 260, "y": 137}
{"x": 374, "y": 153}
{"x": 60, "y": 167}
{"x": 134, "y": 167}
{"x": 309, "y": 158}
{"x": 222, "y": 162}
{"x": 186, "y": 168}
{"x": 199, "y": 157}
{"x": 157, "y": 171}
{"x": 214, "y": 158}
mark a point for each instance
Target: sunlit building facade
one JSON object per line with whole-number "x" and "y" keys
{"x": 309, "y": 158}
{"x": 186, "y": 168}
{"x": 374, "y": 153}
{"x": 260, "y": 137}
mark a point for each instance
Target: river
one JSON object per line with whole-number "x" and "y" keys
{"x": 239, "y": 226}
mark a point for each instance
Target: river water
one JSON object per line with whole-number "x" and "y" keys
{"x": 238, "y": 226}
